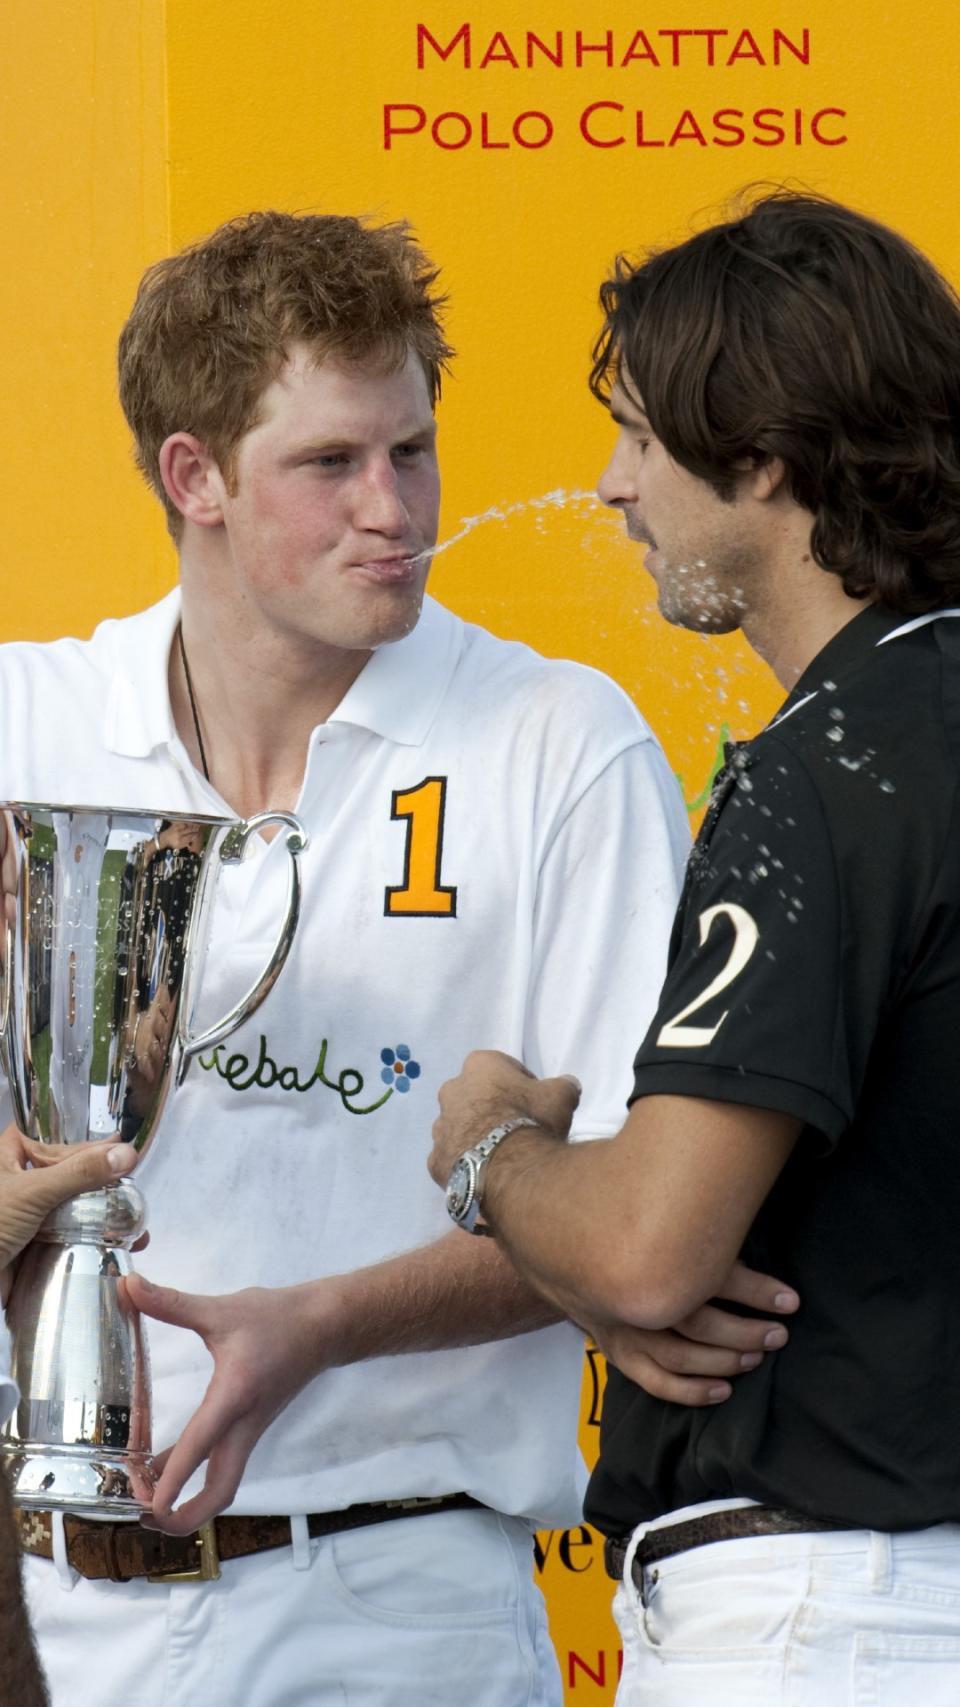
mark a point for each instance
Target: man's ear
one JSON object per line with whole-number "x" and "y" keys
{"x": 767, "y": 479}
{"x": 192, "y": 479}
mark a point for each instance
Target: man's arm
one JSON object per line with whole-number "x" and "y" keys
{"x": 638, "y": 1229}
{"x": 267, "y": 1344}
{"x": 763, "y": 1026}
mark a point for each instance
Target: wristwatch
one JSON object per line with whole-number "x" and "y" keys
{"x": 465, "y": 1185}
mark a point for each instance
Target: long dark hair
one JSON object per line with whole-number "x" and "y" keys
{"x": 805, "y": 331}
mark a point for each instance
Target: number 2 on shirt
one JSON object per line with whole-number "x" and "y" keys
{"x": 674, "y": 1033}
{"x": 422, "y": 895}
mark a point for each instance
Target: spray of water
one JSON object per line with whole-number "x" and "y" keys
{"x": 556, "y": 500}
{"x": 710, "y": 601}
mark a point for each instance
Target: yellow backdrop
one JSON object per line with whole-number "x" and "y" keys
{"x": 527, "y": 145}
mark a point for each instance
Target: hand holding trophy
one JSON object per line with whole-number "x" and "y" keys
{"x": 105, "y": 921}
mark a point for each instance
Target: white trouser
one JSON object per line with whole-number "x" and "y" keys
{"x": 849, "y": 1618}
{"x": 420, "y": 1612}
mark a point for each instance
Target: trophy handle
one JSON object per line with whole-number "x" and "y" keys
{"x": 231, "y": 853}
{"x": 6, "y": 981}
{"x": 6, "y": 970}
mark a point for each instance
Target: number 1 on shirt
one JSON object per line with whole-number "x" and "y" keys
{"x": 421, "y": 894}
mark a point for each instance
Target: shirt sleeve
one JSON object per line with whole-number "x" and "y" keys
{"x": 606, "y": 897}
{"x": 767, "y": 1001}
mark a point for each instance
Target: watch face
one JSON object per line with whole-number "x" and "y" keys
{"x": 460, "y": 1188}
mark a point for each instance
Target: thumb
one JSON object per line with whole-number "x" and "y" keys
{"x": 168, "y": 1304}
{"x": 558, "y": 1099}
{"x": 88, "y": 1169}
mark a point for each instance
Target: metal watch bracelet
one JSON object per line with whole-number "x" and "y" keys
{"x": 465, "y": 1185}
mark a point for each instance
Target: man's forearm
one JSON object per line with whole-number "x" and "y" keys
{"x": 548, "y": 1206}
{"x": 461, "y": 1290}
{"x": 21, "y": 1680}
{"x": 639, "y": 1229}
{"x": 269, "y": 1343}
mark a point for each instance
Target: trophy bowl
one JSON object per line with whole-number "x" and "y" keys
{"x": 106, "y": 921}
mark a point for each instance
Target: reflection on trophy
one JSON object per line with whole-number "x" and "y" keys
{"x": 106, "y": 921}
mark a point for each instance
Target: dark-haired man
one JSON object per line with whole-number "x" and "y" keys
{"x": 279, "y": 378}
{"x": 787, "y": 392}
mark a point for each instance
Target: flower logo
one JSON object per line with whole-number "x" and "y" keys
{"x": 398, "y": 1069}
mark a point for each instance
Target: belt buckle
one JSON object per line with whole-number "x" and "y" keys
{"x": 207, "y": 1568}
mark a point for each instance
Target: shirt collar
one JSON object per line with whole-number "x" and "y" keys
{"x": 397, "y": 693}
{"x": 138, "y": 717}
{"x": 849, "y": 647}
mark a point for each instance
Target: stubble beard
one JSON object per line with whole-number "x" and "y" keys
{"x": 691, "y": 595}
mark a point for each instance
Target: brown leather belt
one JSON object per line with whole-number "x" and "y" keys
{"x": 702, "y": 1531}
{"x": 120, "y": 1552}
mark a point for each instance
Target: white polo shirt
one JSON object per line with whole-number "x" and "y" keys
{"x": 495, "y": 846}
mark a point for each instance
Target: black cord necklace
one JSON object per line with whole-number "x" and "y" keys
{"x": 193, "y": 701}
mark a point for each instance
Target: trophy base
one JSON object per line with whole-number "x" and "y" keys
{"x": 87, "y": 1481}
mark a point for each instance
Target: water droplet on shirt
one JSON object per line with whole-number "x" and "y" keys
{"x": 834, "y": 734}
{"x": 887, "y": 787}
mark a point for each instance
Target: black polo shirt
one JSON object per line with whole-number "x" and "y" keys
{"x": 815, "y": 969}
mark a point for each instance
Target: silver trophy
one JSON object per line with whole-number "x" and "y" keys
{"x": 107, "y": 915}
